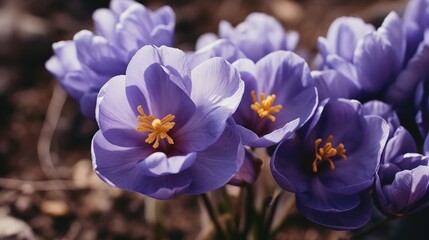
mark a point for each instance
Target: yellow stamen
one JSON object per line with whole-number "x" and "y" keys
{"x": 327, "y": 152}
{"x": 157, "y": 128}
{"x": 265, "y": 107}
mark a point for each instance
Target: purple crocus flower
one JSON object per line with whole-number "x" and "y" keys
{"x": 164, "y": 127}
{"x": 402, "y": 182}
{"x": 83, "y": 65}
{"x": 368, "y": 59}
{"x": 257, "y": 36}
{"x": 279, "y": 97}
{"x": 330, "y": 164}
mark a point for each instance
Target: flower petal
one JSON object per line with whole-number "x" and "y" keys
{"x": 379, "y": 56}
{"x": 115, "y": 116}
{"x": 158, "y": 164}
{"x": 333, "y": 84}
{"x": 287, "y": 169}
{"x": 118, "y": 167}
{"x": 322, "y": 199}
{"x": 402, "y": 142}
{"x": 347, "y": 220}
{"x": 217, "y": 165}
{"x": 173, "y": 60}
{"x": 216, "y": 83}
{"x": 218, "y": 48}
{"x": 416, "y": 70}
{"x": 97, "y": 55}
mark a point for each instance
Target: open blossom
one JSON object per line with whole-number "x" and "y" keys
{"x": 257, "y": 36}
{"x": 330, "y": 164}
{"x": 402, "y": 182}
{"x": 279, "y": 97}
{"x": 367, "y": 61}
{"x": 84, "y": 64}
{"x": 166, "y": 129}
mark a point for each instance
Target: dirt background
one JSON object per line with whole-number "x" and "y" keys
{"x": 47, "y": 189}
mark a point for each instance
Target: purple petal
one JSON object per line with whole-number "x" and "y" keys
{"x": 347, "y": 220}
{"x": 104, "y": 23}
{"x": 378, "y": 57}
{"x": 205, "y": 39}
{"x": 333, "y": 84}
{"x": 173, "y": 60}
{"x": 287, "y": 169}
{"x": 216, "y": 165}
{"x": 96, "y": 54}
{"x": 219, "y": 48}
{"x": 216, "y": 92}
{"x": 118, "y": 167}
{"x": 345, "y": 68}
{"x": 216, "y": 83}
{"x": 343, "y": 35}
{"x": 114, "y": 164}
{"x": 406, "y": 82}
{"x": 65, "y": 59}
{"x": 115, "y": 116}
{"x": 158, "y": 164}
{"x": 119, "y": 6}
{"x": 383, "y": 110}
{"x": 408, "y": 189}
{"x": 320, "y": 198}
{"x": 402, "y": 142}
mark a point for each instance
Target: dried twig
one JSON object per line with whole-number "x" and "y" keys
{"x": 47, "y": 132}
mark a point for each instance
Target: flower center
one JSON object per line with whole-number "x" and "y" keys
{"x": 265, "y": 107}
{"x": 327, "y": 152}
{"x": 156, "y": 128}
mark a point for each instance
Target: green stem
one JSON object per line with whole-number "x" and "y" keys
{"x": 211, "y": 212}
{"x": 270, "y": 216}
{"x": 248, "y": 212}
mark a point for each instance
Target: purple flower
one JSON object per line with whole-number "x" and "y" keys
{"x": 164, "y": 127}
{"x": 279, "y": 97}
{"x": 330, "y": 164}
{"x": 83, "y": 65}
{"x": 402, "y": 182}
{"x": 368, "y": 59}
{"x": 257, "y": 36}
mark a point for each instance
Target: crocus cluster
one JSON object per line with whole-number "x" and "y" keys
{"x": 348, "y": 135}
